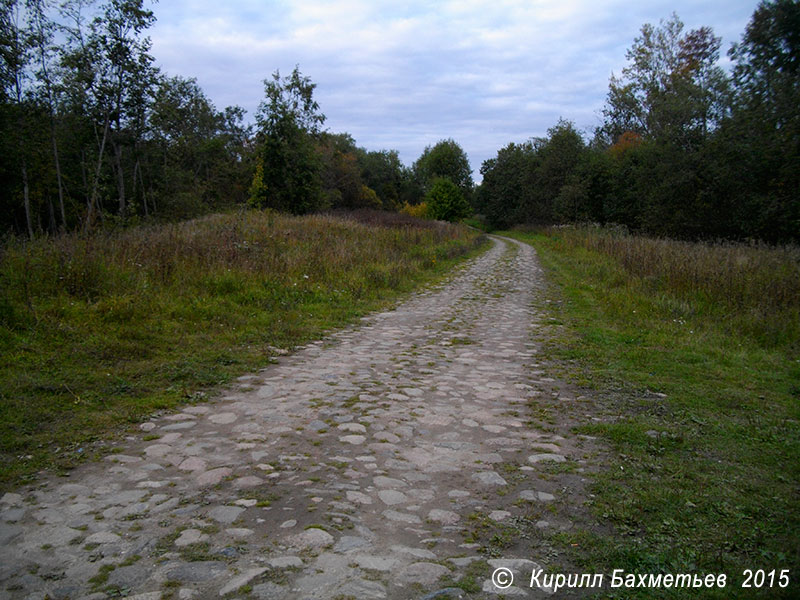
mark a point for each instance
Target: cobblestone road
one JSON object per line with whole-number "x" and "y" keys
{"x": 362, "y": 466}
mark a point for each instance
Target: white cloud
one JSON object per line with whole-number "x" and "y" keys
{"x": 404, "y": 75}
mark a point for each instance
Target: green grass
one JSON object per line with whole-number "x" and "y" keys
{"x": 697, "y": 392}
{"x": 97, "y": 332}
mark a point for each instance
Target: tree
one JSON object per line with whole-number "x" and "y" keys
{"x": 341, "y": 174}
{"x": 558, "y": 157}
{"x": 445, "y": 159}
{"x": 288, "y": 167}
{"x": 197, "y": 149}
{"x": 383, "y": 172}
{"x": 42, "y": 29}
{"x": 672, "y": 89}
{"x": 125, "y": 77}
{"x": 764, "y": 133}
{"x": 446, "y": 201}
{"x": 16, "y": 56}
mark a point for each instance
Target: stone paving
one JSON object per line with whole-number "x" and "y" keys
{"x": 353, "y": 468}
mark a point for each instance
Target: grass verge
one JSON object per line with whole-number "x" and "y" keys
{"x": 697, "y": 389}
{"x": 101, "y": 331}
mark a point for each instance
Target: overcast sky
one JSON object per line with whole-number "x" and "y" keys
{"x": 403, "y": 75}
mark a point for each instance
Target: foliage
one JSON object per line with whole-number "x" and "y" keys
{"x": 445, "y": 159}
{"x": 523, "y": 184}
{"x": 671, "y": 89}
{"x": 445, "y": 201}
{"x": 383, "y": 172}
{"x": 419, "y": 211}
{"x": 288, "y": 161}
{"x": 99, "y": 136}
{"x": 94, "y": 136}
{"x": 685, "y": 151}
{"x": 100, "y": 330}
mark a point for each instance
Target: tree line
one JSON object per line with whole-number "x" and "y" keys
{"x": 93, "y": 134}
{"x": 685, "y": 148}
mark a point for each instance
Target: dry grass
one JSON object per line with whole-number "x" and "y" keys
{"x": 96, "y": 331}
{"x": 754, "y": 287}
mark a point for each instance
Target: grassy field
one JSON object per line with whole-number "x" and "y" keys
{"x": 98, "y": 332}
{"x": 692, "y": 355}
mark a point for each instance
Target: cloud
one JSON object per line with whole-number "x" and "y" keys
{"x": 404, "y": 75}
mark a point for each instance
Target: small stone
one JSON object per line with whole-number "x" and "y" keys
{"x": 535, "y": 458}
{"x": 362, "y": 589}
{"x": 353, "y": 427}
{"x": 225, "y": 514}
{"x": 446, "y": 517}
{"x": 489, "y": 587}
{"x": 494, "y": 428}
{"x": 416, "y": 552}
{"x": 548, "y": 447}
{"x": 348, "y": 543}
{"x": 239, "y": 532}
{"x": 358, "y": 497}
{"x": 223, "y": 418}
{"x": 288, "y": 524}
{"x": 353, "y": 439}
{"x": 392, "y": 497}
{"x": 193, "y": 463}
{"x": 212, "y": 477}
{"x": 285, "y": 562}
{"x": 197, "y": 572}
{"x": 394, "y": 515}
{"x": 388, "y": 482}
{"x": 179, "y": 426}
{"x": 247, "y": 482}
{"x": 489, "y": 478}
{"x": 424, "y": 573}
{"x": 311, "y": 538}
{"x": 10, "y": 499}
{"x": 157, "y": 450}
{"x": 376, "y": 563}
{"x": 189, "y": 537}
{"x": 240, "y": 580}
{"x": 102, "y": 537}
{"x": 499, "y": 515}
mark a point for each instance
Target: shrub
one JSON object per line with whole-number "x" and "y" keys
{"x": 446, "y": 202}
{"x": 419, "y": 211}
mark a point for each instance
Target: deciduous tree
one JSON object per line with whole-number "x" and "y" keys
{"x": 288, "y": 171}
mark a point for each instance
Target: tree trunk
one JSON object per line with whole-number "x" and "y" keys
{"x": 26, "y": 198}
{"x": 58, "y": 172}
{"x": 120, "y": 180}
{"x": 93, "y": 198}
{"x": 138, "y": 169}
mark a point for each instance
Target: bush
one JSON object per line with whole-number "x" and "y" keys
{"x": 420, "y": 211}
{"x": 446, "y": 202}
